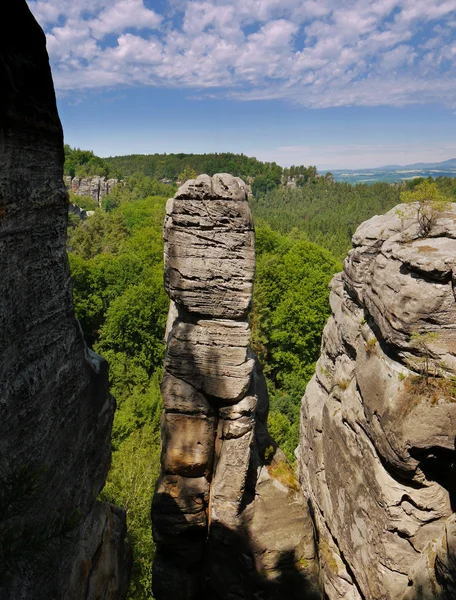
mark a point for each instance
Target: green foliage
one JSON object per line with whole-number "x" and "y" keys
{"x": 263, "y": 184}
{"x": 172, "y": 166}
{"x": 135, "y": 468}
{"x": 429, "y": 203}
{"x": 135, "y": 325}
{"x": 85, "y": 202}
{"x": 187, "y": 173}
{"x": 84, "y": 163}
{"x": 116, "y": 261}
{"x": 290, "y": 310}
{"x": 327, "y": 213}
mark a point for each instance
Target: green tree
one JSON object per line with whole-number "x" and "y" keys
{"x": 135, "y": 324}
{"x": 187, "y": 173}
{"x": 429, "y": 203}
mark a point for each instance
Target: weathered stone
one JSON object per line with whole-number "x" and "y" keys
{"x": 378, "y": 419}
{"x": 181, "y": 397}
{"x": 94, "y": 187}
{"x": 187, "y": 444}
{"x": 103, "y": 560}
{"x": 434, "y": 574}
{"x": 212, "y": 356}
{"x": 55, "y": 408}
{"x": 209, "y": 247}
{"x": 211, "y": 543}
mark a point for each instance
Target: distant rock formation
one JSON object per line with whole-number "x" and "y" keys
{"x": 224, "y": 525}
{"x": 94, "y": 187}
{"x": 56, "y": 541}
{"x": 378, "y": 422}
{"x": 79, "y": 212}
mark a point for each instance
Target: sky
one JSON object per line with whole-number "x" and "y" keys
{"x": 336, "y": 83}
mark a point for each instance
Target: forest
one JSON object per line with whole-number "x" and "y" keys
{"x": 116, "y": 261}
{"x": 180, "y": 167}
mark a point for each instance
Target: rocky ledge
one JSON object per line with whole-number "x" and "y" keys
{"x": 378, "y": 420}
{"x": 228, "y": 519}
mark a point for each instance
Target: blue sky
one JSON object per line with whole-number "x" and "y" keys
{"x": 336, "y": 83}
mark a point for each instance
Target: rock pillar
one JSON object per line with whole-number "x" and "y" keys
{"x": 223, "y": 527}
{"x": 55, "y": 408}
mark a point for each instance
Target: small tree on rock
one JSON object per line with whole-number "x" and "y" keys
{"x": 422, "y": 342}
{"x": 430, "y": 202}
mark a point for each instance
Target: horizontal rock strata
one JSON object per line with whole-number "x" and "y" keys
{"x": 224, "y": 527}
{"x": 55, "y": 407}
{"x": 378, "y": 420}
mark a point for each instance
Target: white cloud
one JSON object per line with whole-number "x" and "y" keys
{"x": 124, "y": 13}
{"x": 315, "y": 53}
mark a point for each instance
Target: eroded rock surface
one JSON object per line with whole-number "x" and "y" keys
{"x": 378, "y": 420}
{"x": 55, "y": 407}
{"x": 94, "y": 187}
{"x": 225, "y": 528}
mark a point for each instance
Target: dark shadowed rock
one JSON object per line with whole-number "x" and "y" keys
{"x": 55, "y": 408}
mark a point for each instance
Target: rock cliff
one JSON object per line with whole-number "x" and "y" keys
{"x": 378, "y": 420}
{"x": 226, "y": 523}
{"x": 56, "y": 541}
{"x": 95, "y": 187}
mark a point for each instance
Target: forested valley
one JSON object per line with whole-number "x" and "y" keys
{"x": 116, "y": 260}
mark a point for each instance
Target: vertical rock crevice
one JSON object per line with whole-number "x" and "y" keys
{"x": 224, "y": 527}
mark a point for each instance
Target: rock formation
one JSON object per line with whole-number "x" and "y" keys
{"x": 79, "y": 212}
{"x": 56, "y": 541}
{"x": 225, "y": 526}
{"x": 94, "y": 187}
{"x": 378, "y": 420}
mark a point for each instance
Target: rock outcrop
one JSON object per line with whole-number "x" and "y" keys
{"x": 378, "y": 420}
{"x": 79, "y": 212}
{"x": 225, "y": 526}
{"x": 56, "y": 412}
{"x": 94, "y": 187}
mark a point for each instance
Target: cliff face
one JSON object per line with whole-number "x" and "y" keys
{"x": 224, "y": 525}
{"x": 378, "y": 420}
{"x": 55, "y": 408}
{"x": 95, "y": 187}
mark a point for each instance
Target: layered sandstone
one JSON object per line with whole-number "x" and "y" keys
{"x": 224, "y": 528}
{"x": 378, "y": 420}
{"x": 94, "y": 187}
{"x": 55, "y": 408}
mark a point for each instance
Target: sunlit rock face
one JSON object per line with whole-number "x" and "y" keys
{"x": 94, "y": 187}
{"x": 378, "y": 420}
{"x": 55, "y": 408}
{"x": 224, "y": 527}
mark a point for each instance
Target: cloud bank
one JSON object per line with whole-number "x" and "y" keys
{"x": 312, "y": 53}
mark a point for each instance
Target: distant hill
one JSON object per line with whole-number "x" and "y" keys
{"x": 397, "y": 173}
{"x": 446, "y": 164}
